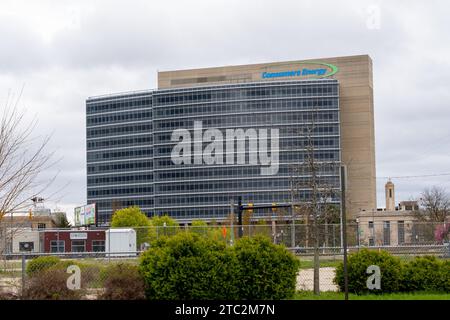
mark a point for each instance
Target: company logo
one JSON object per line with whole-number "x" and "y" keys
{"x": 326, "y": 70}
{"x": 220, "y": 147}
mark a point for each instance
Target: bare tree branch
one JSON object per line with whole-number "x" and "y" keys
{"x": 22, "y": 159}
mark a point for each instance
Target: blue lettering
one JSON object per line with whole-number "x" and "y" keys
{"x": 294, "y": 73}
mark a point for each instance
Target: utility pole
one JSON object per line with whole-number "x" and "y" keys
{"x": 293, "y": 213}
{"x": 241, "y": 229}
{"x": 232, "y": 222}
{"x": 344, "y": 228}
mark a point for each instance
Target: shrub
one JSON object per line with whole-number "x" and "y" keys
{"x": 426, "y": 274}
{"x": 264, "y": 270}
{"x": 190, "y": 266}
{"x": 123, "y": 282}
{"x": 187, "y": 266}
{"x": 90, "y": 273}
{"x": 7, "y": 295}
{"x": 40, "y": 264}
{"x": 390, "y": 267}
{"x": 445, "y": 275}
{"x": 49, "y": 284}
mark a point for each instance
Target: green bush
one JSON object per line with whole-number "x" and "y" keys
{"x": 390, "y": 267}
{"x": 264, "y": 270}
{"x": 187, "y": 266}
{"x": 426, "y": 274}
{"x": 190, "y": 266}
{"x": 445, "y": 275}
{"x": 40, "y": 264}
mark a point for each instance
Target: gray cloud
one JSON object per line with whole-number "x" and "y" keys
{"x": 105, "y": 47}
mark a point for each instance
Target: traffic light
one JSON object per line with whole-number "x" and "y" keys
{"x": 274, "y": 208}
{"x": 250, "y": 209}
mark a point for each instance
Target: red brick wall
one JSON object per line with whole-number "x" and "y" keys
{"x": 92, "y": 235}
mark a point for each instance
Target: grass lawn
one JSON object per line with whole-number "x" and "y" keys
{"x": 309, "y": 264}
{"x": 309, "y": 295}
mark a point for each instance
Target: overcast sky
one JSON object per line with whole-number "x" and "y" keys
{"x": 66, "y": 51}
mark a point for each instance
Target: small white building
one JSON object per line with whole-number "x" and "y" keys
{"x": 25, "y": 240}
{"x": 120, "y": 242}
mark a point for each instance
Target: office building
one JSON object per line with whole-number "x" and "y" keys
{"x": 284, "y": 106}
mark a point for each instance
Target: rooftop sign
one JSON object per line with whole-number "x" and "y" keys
{"x": 317, "y": 70}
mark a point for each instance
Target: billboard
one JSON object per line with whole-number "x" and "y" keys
{"x": 85, "y": 215}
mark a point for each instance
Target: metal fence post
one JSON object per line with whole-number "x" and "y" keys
{"x": 24, "y": 264}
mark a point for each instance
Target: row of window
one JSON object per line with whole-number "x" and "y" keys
{"x": 226, "y": 172}
{"x": 284, "y": 157}
{"x": 224, "y": 198}
{"x": 124, "y": 117}
{"x": 284, "y": 131}
{"x": 272, "y": 119}
{"x": 285, "y": 144}
{"x": 247, "y": 106}
{"x": 125, "y": 179}
{"x": 106, "y": 106}
{"x": 120, "y": 142}
{"x": 387, "y": 233}
{"x": 108, "y": 204}
{"x": 195, "y": 213}
{"x": 250, "y": 184}
{"x": 116, "y": 155}
{"x": 76, "y": 246}
{"x": 298, "y": 89}
{"x": 118, "y": 130}
{"x": 124, "y": 166}
{"x": 120, "y": 191}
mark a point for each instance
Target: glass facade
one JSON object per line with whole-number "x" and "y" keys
{"x": 119, "y": 153}
{"x": 129, "y": 145}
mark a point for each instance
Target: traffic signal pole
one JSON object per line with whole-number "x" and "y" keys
{"x": 240, "y": 209}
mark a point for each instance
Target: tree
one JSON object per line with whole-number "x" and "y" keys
{"x": 135, "y": 218}
{"x": 435, "y": 205}
{"x": 434, "y": 209}
{"x": 163, "y": 226}
{"x": 200, "y": 227}
{"x": 313, "y": 189}
{"x": 61, "y": 221}
{"x": 22, "y": 160}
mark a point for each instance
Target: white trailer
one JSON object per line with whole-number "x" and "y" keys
{"x": 120, "y": 242}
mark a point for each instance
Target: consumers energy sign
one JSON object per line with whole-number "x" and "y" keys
{"x": 309, "y": 70}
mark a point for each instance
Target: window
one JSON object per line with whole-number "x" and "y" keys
{"x": 26, "y": 246}
{"x": 41, "y": 225}
{"x": 390, "y": 193}
{"x": 370, "y": 224}
{"x": 401, "y": 232}
{"x": 78, "y": 246}
{"x": 371, "y": 242}
{"x": 57, "y": 246}
{"x": 98, "y": 245}
{"x": 387, "y": 233}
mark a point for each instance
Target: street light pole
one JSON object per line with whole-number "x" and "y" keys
{"x": 344, "y": 228}
{"x": 293, "y": 214}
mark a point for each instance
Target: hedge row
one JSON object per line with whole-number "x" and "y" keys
{"x": 190, "y": 266}
{"x": 425, "y": 273}
{"x": 47, "y": 279}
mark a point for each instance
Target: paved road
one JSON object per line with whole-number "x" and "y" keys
{"x": 305, "y": 279}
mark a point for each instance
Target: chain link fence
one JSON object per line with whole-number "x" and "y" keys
{"x": 91, "y": 264}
